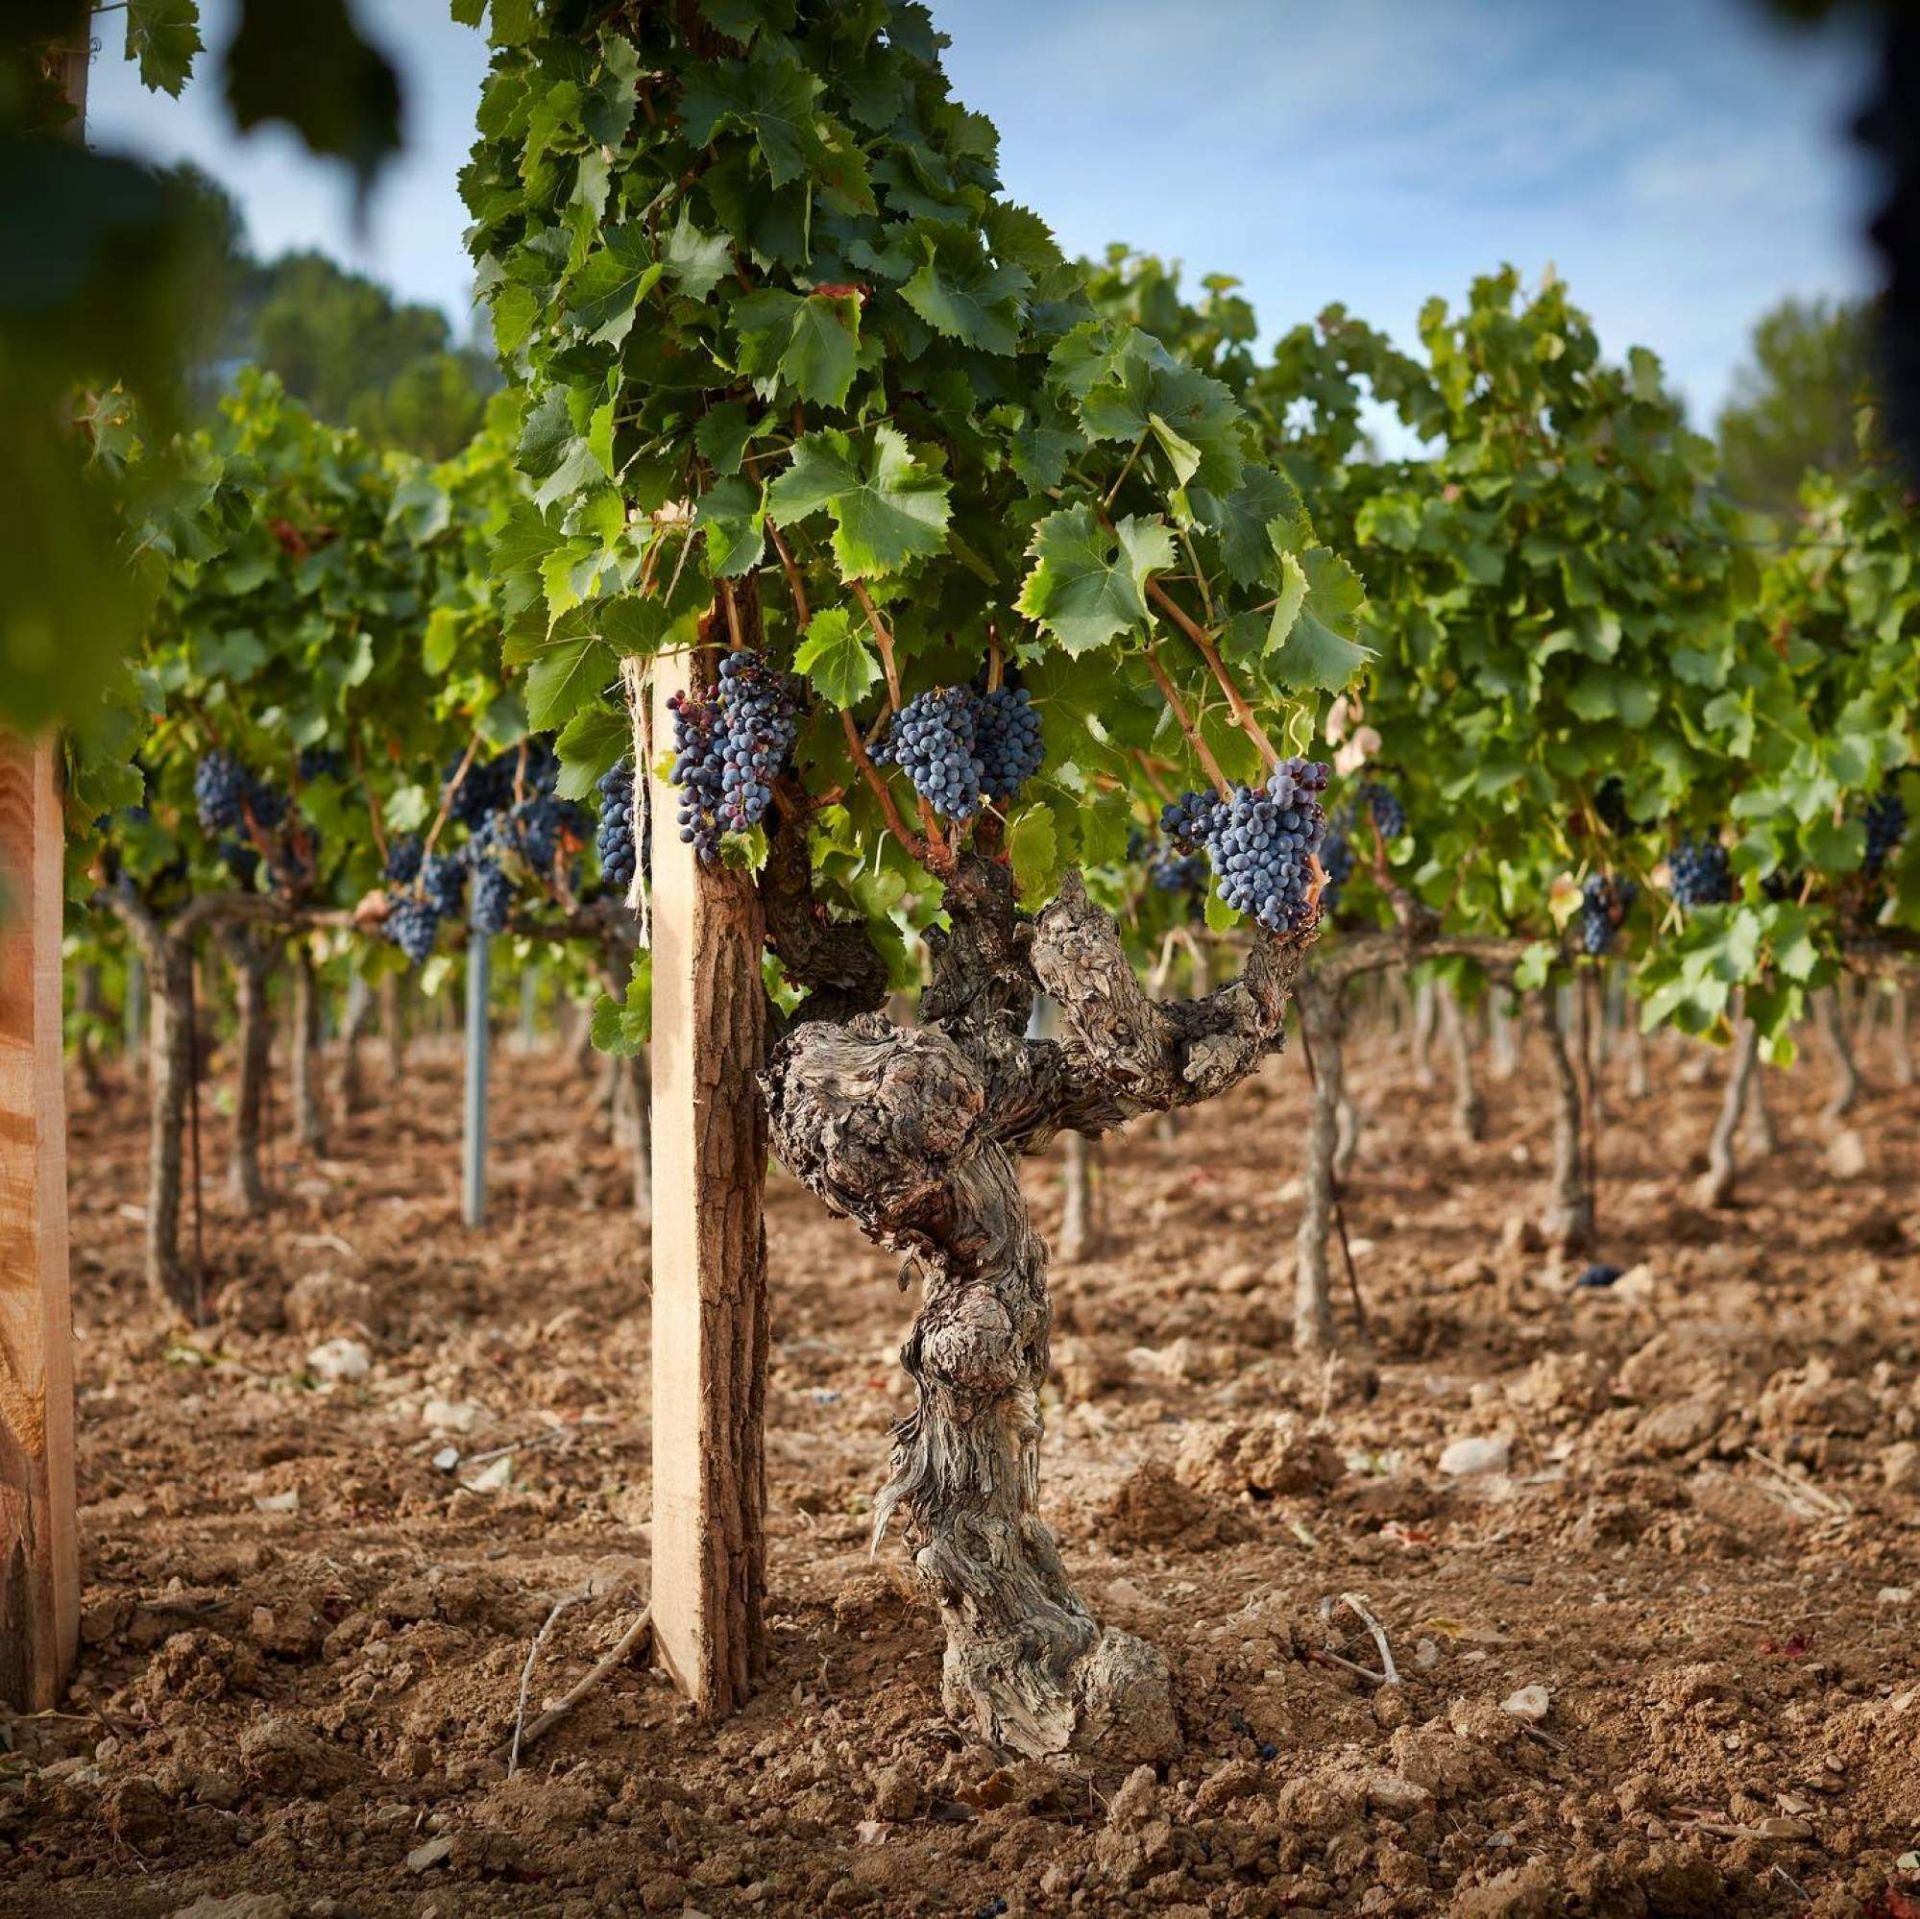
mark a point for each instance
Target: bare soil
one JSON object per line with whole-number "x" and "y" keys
{"x": 1699, "y": 1539}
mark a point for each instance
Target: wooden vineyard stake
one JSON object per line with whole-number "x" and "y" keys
{"x": 39, "y": 1549}
{"x": 473, "y": 1141}
{"x": 709, "y": 1252}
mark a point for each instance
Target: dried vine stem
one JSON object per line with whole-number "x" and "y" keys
{"x": 913, "y": 1133}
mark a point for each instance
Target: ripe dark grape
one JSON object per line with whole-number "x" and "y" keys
{"x": 1007, "y": 736}
{"x": 1262, "y": 842}
{"x": 933, "y": 741}
{"x": 1171, "y": 872}
{"x": 539, "y": 829}
{"x": 1384, "y": 808}
{"x": 403, "y": 859}
{"x": 220, "y": 785}
{"x": 1700, "y": 872}
{"x": 1188, "y": 821}
{"x": 1610, "y": 805}
{"x": 613, "y": 838}
{"x": 240, "y": 859}
{"x": 1783, "y": 885}
{"x": 411, "y": 924}
{"x": 485, "y": 787}
{"x": 758, "y": 726}
{"x": 698, "y": 742}
{"x": 1336, "y": 858}
{"x": 267, "y": 805}
{"x": 443, "y": 883}
{"x": 1600, "y": 912}
{"x": 320, "y": 762}
{"x": 492, "y": 897}
{"x": 1886, "y": 821}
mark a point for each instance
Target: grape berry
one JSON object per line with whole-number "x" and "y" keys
{"x": 1383, "y": 806}
{"x": 1886, "y": 822}
{"x": 1700, "y": 873}
{"x": 613, "y": 838}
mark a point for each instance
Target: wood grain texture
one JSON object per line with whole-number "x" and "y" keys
{"x": 709, "y": 1260}
{"x": 39, "y": 1555}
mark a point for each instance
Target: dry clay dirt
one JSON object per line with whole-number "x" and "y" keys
{"x": 1660, "y": 1655}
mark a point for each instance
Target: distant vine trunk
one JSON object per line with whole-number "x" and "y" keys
{"x": 1899, "y": 1042}
{"x": 1469, "y": 1109}
{"x": 1503, "y": 1051}
{"x": 1350, "y": 1122}
{"x": 252, "y": 966}
{"x": 86, "y": 1005}
{"x": 350, "y": 1086}
{"x": 1723, "y": 1167}
{"x": 167, "y": 962}
{"x": 1569, "y": 1218}
{"x": 1078, "y": 1232}
{"x": 1426, "y": 1018}
{"x": 1322, "y": 1017}
{"x": 1760, "y": 1134}
{"x": 913, "y": 1133}
{"x": 393, "y": 1027}
{"x": 309, "y": 1116}
{"x": 1633, "y": 1044}
{"x": 1846, "y": 1074}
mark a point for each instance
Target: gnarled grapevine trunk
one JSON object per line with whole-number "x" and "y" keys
{"x": 1502, "y": 1036}
{"x": 86, "y": 1005}
{"x": 913, "y": 1133}
{"x": 1569, "y": 1218}
{"x": 1079, "y": 1234}
{"x": 252, "y": 962}
{"x": 309, "y": 1116}
{"x": 1899, "y": 1045}
{"x": 1426, "y": 1015}
{"x": 393, "y": 1026}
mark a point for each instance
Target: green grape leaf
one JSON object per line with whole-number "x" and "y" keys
{"x": 1034, "y": 847}
{"x": 734, "y": 516}
{"x": 888, "y": 510}
{"x": 163, "y": 36}
{"x": 836, "y": 658}
{"x": 602, "y": 296}
{"x": 769, "y": 95}
{"x": 1087, "y": 586}
{"x": 967, "y": 299}
{"x": 566, "y": 676}
{"x": 812, "y": 340}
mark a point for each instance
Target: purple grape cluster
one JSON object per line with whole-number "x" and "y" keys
{"x": 962, "y": 748}
{"x": 320, "y": 763}
{"x": 1189, "y": 821}
{"x": 1336, "y": 858}
{"x": 412, "y": 925}
{"x": 1604, "y": 903}
{"x": 934, "y": 741}
{"x": 1886, "y": 823}
{"x": 220, "y": 787}
{"x": 404, "y": 855}
{"x": 492, "y": 898}
{"x": 1610, "y": 805}
{"x": 1007, "y": 735}
{"x": 1261, "y": 842}
{"x": 1700, "y": 872}
{"x": 728, "y": 751}
{"x": 613, "y": 838}
{"x": 1172, "y": 872}
{"x": 1384, "y": 808}
{"x": 759, "y": 723}
{"x": 482, "y": 789}
{"x": 699, "y": 741}
{"x": 443, "y": 883}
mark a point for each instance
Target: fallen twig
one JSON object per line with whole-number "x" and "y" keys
{"x": 1389, "y": 1672}
{"x": 1833, "y": 1504}
{"x": 567, "y": 1701}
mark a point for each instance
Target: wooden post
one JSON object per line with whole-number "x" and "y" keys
{"x": 473, "y": 1140}
{"x": 709, "y": 1252}
{"x": 39, "y": 1543}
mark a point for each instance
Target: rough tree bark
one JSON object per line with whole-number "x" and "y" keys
{"x": 1569, "y": 1218}
{"x": 1469, "y": 1109}
{"x": 1846, "y": 1075}
{"x": 1350, "y": 1123}
{"x": 913, "y": 1133}
{"x": 1723, "y": 1167}
{"x": 309, "y": 1116}
{"x": 1760, "y": 1134}
{"x": 253, "y": 956}
{"x": 1323, "y": 1017}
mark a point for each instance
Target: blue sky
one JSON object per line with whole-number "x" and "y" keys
{"x": 1681, "y": 163}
